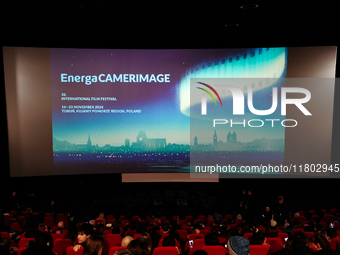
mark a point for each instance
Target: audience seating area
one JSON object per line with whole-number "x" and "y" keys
{"x": 189, "y": 237}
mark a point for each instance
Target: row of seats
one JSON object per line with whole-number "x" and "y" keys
{"x": 211, "y": 250}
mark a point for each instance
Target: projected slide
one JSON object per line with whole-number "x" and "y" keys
{"x": 128, "y": 110}
{"x": 86, "y": 111}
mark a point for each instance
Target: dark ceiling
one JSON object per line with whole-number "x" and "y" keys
{"x": 126, "y": 24}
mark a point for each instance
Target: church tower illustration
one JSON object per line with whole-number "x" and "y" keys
{"x": 195, "y": 141}
{"x": 215, "y": 139}
{"x": 231, "y": 138}
{"x": 89, "y": 144}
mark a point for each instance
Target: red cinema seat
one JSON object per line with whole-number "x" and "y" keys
{"x": 20, "y": 250}
{"x": 70, "y": 251}
{"x": 16, "y": 226}
{"x": 188, "y": 229}
{"x": 214, "y": 249}
{"x": 222, "y": 239}
{"x": 114, "y": 239}
{"x": 194, "y": 236}
{"x": 135, "y": 218}
{"x": 5, "y": 235}
{"x": 197, "y": 245}
{"x": 283, "y": 236}
{"x": 130, "y": 232}
{"x": 113, "y": 249}
{"x": 165, "y": 251}
{"x": 228, "y": 216}
{"x": 183, "y": 234}
{"x": 107, "y": 232}
{"x": 248, "y": 235}
{"x": 49, "y": 222}
{"x": 205, "y": 232}
{"x": 297, "y": 229}
{"x": 135, "y": 236}
{"x": 275, "y": 244}
{"x": 259, "y": 250}
{"x": 62, "y": 217}
{"x": 24, "y": 241}
{"x": 333, "y": 243}
{"x": 165, "y": 235}
{"x": 60, "y": 246}
{"x": 57, "y": 236}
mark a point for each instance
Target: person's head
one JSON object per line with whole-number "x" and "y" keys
{"x": 126, "y": 240}
{"x": 299, "y": 242}
{"x": 59, "y": 231}
{"x": 101, "y": 215}
{"x": 169, "y": 241}
{"x": 211, "y": 239}
{"x": 44, "y": 239}
{"x": 61, "y": 224}
{"x": 5, "y": 246}
{"x": 94, "y": 245}
{"x": 138, "y": 247}
{"x": 272, "y": 232}
{"x": 165, "y": 227}
{"x": 141, "y": 227}
{"x": 239, "y": 216}
{"x": 148, "y": 240}
{"x": 238, "y": 245}
{"x": 258, "y": 238}
{"x": 84, "y": 232}
{"x": 197, "y": 228}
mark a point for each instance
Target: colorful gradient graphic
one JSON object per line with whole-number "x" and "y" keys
{"x": 218, "y": 96}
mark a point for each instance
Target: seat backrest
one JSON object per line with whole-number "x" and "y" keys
{"x": 183, "y": 234}
{"x": 60, "y": 246}
{"x": 205, "y": 232}
{"x": 16, "y": 226}
{"x": 198, "y": 244}
{"x": 165, "y": 251}
{"x": 130, "y": 232}
{"x": 63, "y": 218}
{"x": 20, "y": 250}
{"x": 259, "y": 250}
{"x": 222, "y": 239}
{"x": 333, "y": 242}
{"x": 5, "y": 235}
{"x": 248, "y": 235}
{"x": 57, "y": 236}
{"x": 214, "y": 249}
{"x": 297, "y": 229}
{"x": 275, "y": 243}
{"x": 70, "y": 251}
{"x": 24, "y": 241}
{"x": 135, "y": 236}
{"x": 194, "y": 236}
{"x": 113, "y": 249}
{"x": 114, "y": 239}
{"x": 283, "y": 236}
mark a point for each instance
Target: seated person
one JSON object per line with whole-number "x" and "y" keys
{"x": 211, "y": 239}
{"x": 42, "y": 244}
{"x": 94, "y": 245}
{"x": 84, "y": 232}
